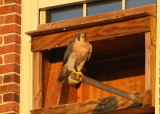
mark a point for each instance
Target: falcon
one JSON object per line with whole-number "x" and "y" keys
{"x": 76, "y": 55}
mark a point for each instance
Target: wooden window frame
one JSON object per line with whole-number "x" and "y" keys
{"x": 43, "y": 9}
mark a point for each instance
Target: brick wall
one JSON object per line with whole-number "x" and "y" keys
{"x": 10, "y": 39}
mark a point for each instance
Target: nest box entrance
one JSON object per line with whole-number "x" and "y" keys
{"x": 123, "y": 56}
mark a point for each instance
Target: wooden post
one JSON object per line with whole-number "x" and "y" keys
{"x": 147, "y": 60}
{"x": 37, "y": 80}
{"x": 153, "y": 57}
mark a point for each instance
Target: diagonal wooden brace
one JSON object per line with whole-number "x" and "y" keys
{"x": 110, "y": 89}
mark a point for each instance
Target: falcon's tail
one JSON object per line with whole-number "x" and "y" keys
{"x": 60, "y": 78}
{"x": 64, "y": 74}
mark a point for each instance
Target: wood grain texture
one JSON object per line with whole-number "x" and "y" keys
{"x": 93, "y": 34}
{"x": 53, "y": 88}
{"x": 94, "y": 20}
{"x": 37, "y": 80}
{"x": 102, "y": 105}
{"x": 135, "y": 110}
{"x": 68, "y": 94}
{"x": 153, "y": 56}
{"x": 46, "y": 65}
{"x": 147, "y": 60}
{"x": 110, "y": 89}
{"x": 126, "y": 74}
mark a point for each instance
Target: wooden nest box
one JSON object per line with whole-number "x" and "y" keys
{"x": 124, "y": 46}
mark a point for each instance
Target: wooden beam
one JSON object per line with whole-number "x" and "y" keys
{"x": 37, "y": 80}
{"x": 94, "y": 20}
{"x": 102, "y": 105}
{"x": 79, "y": 25}
{"x": 94, "y": 33}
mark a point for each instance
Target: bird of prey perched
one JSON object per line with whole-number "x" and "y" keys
{"x": 77, "y": 53}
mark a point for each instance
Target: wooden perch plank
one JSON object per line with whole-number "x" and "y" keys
{"x": 101, "y": 105}
{"x": 110, "y": 89}
{"x": 94, "y": 33}
{"x": 94, "y": 20}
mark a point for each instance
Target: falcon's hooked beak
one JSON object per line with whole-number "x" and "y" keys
{"x": 81, "y": 37}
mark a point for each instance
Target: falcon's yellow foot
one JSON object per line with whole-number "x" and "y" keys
{"x": 79, "y": 74}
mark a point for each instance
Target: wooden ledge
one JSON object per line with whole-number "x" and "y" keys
{"x": 99, "y": 19}
{"x": 102, "y": 105}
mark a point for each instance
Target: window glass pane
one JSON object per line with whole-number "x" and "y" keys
{"x": 64, "y": 13}
{"x": 136, "y": 3}
{"x": 103, "y": 6}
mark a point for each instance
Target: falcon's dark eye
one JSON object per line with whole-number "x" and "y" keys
{"x": 78, "y": 37}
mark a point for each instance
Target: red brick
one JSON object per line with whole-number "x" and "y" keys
{"x": 9, "y": 68}
{"x": 14, "y": 28}
{"x": 10, "y": 48}
{"x": 12, "y": 58}
{"x": 1, "y": 60}
{"x": 12, "y": 38}
{"x": 0, "y": 40}
{"x": 12, "y": 19}
{"x": 9, "y": 88}
{"x": 1, "y": 78}
{"x": 12, "y": 1}
{"x": 10, "y": 9}
{"x": 11, "y": 97}
{"x": 11, "y": 78}
{"x": 1, "y": 19}
{"x": 1, "y": 2}
{"x": 0, "y": 99}
{"x": 9, "y": 107}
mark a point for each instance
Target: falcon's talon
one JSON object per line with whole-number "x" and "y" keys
{"x": 80, "y": 75}
{"x": 80, "y": 78}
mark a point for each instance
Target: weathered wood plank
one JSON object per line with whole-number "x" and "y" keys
{"x": 110, "y": 89}
{"x": 153, "y": 56}
{"x": 95, "y": 20}
{"x": 53, "y": 88}
{"x": 102, "y": 105}
{"x": 68, "y": 94}
{"x": 135, "y": 110}
{"x": 94, "y": 33}
{"x": 147, "y": 60}
{"x": 46, "y": 65}
{"x": 37, "y": 80}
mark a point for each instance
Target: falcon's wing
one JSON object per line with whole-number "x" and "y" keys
{"x": 89, "y": 53}
{"x": 68, "y": 51}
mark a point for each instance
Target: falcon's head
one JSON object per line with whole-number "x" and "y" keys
{"x": 81, "y": 37}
